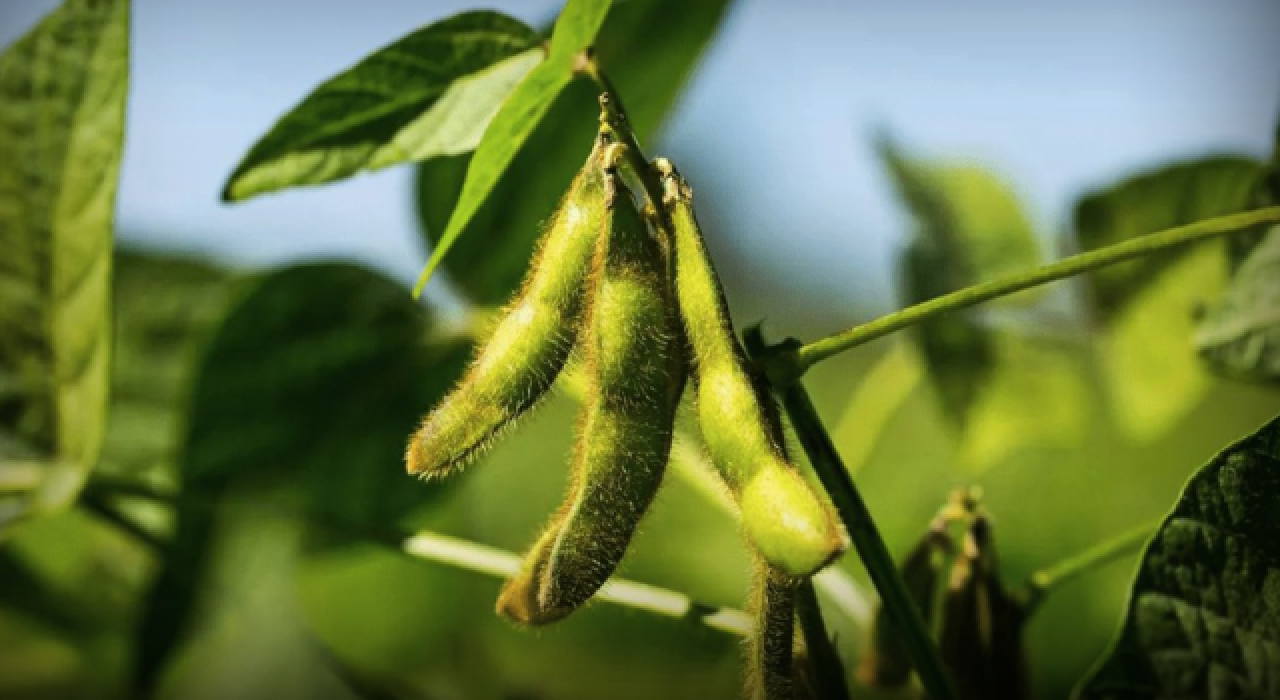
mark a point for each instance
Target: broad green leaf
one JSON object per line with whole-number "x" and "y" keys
{"x": 314, "y": 379}
{"x": 649, "y": 49}
{"x": 970, "y": 228}
{"x": 166, "y": 308}
{"x": 431, "y": 93}
{"x": 1203, "y": 619}
{"x": 62, "y": 101}
{"x": 1149, "y": 368}
{"x": 1148, "y": 306}
{"x": 1150, "y": 202}
{"x": 1241, "y": 335}
{"x": 318, "y": 374}
{"x": 970, "y": 216}
{"x": 520, "y": 113}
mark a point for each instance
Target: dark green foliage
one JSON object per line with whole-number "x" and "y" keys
{"x": 1204, "y": 613}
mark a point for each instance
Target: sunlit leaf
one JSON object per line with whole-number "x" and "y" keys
{"x": 649, "y": 49}
{"x": 519, "y": 115}
{"x": 429, "y": 94}
{"x": 1204, "y": 613}
{"x": 1148, "y": 306}
{"x": 62, "y": 100}
{"x": 1241, "y": 335}
{"x": 1150, "y": 202}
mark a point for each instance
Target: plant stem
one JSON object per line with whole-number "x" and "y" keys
{"x": 614, "y": 115}
{"x": 109, "y": 511}
{"x": 1046, "y": 580}
{"x": 828, "y": 672}
{"x": 500, "y": 563}
{"x": 789, "y": 368}
{"x": 866, "y": 537}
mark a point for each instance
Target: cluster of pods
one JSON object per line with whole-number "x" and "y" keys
{"x": 627, "y": 288}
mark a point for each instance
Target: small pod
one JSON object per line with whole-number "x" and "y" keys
{"x": 531, "y": 341}
{"x": 635, "y": 364}
{"x": 792, "y": 527}
{"x": 770, "y": 664}
{"x": 982, "y": 624}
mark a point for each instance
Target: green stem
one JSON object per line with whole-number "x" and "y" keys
{"x": 499, "y": 563}
{"x": 1046, "y": 580}
{"x": 828, "y": 672}
{"x": 614, "y": 115}
{"x": 109, "y": 511}
{"x": 790, "y": 367}
{"x": 857, "y": 519}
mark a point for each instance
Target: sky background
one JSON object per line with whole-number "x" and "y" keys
{"x": 774, "y": 129}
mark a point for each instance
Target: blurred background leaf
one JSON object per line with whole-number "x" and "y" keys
{"x": 1147, "y": 307}
{"x": 430, "y": 93}
{"x": 1003, "y": 388}
{"x": 313, "y": 380}
{"x": 1204, "y": 618}
{"x": 1241, "y": 335}
{"x": 649, "y": 49}
{"x": 62, "y": 100}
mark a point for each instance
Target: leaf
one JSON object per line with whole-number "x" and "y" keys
{"x": 1148, "y": 306}
{"x": 431, "y": 93}
{"x": 314, "y": 379}
{"x": 522, "y": 110}
{"x": 969, "y": 228}
{"x": 62, "y": 100}
{"x": 1241, "y": 336}
{"x": 1204, "y": 613}
{"x": 649, "y": 49}
{"x": 166, "y": 308}
{"x": 1153, "y": 201}
{"x": 1004, "y": 392}
{"x": 970, "y": 216}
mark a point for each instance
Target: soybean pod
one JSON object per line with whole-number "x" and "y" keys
{"x": 792, "y": 526}
{"x": 635, "y": 367}
{"x": 531, "y": 341}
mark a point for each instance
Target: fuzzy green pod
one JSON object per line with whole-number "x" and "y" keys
{"x": 792, "y": 527}
{"x": 531, "y": 341}
{"x": 634, "y": 361}
{"x": 770, "y": 664}
{"x": 981, "y": 639}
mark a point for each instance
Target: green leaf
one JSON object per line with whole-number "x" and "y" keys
{"x": 649, "y": 49}
{"x": 1148, "y": 306}
{"x": 62, "y": 100}
{"x": 166, "y": 308}
{"x": 520, "y": 113}
{"x": 1240, "y": 337}
{"x": 319, "y": 374}
{"x": 1004, "y": 392}
{"x": 432, "y": 93}
{"x": 969, "y": 215}
{"x": 315, "y": 379}
{"x": 1204, "y": 613}
{"x": 1153, "y": 201}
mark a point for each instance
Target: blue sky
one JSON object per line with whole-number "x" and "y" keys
{"x": 775, "y": 126}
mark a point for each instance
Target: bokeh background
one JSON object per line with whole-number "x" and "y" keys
{"x": 776, "y": 129}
